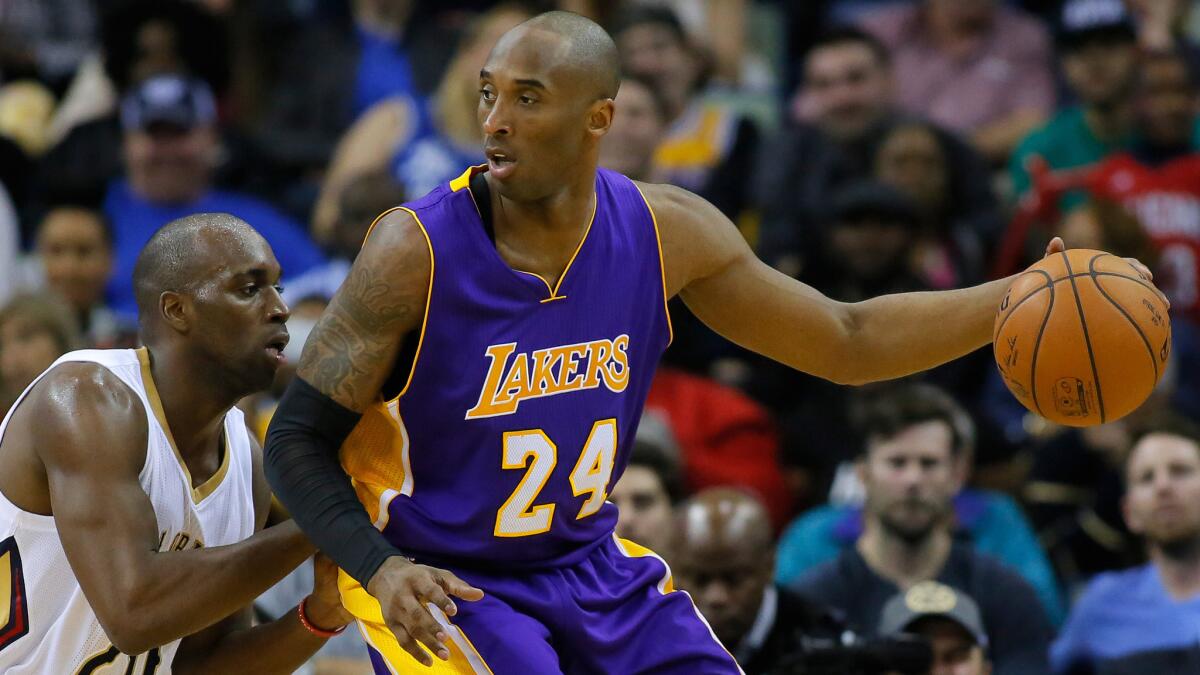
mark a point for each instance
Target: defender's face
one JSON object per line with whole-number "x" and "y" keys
{"x": 240, "y": 315}
{"x": 534, "y": 111}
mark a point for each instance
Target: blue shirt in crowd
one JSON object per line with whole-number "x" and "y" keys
{"x": 1126, "y": 622}
{"x": 135, "y": 220}
{"x": 383, "y": 71}
{"x": 992, "y": 521}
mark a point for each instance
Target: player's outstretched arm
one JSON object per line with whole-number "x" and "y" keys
{"x": 710, "y": 266}
{"x": 91, "y": 439}
{"x": 349, "y": 354}
{"x": 281, "y": 646}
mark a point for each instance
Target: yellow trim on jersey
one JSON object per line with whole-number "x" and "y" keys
{"x": 542, "y": 279}
{"x": 595, "y": 205}
{"x": 369, "y": 616}
{"x": 634, "y": 550}
{"x": 376, "y": 221}
{"x": 428, "y": 299}
{"x": 464, "y": 178}
{"x": 662, "y": 267}
{"x": 199, "y": 492}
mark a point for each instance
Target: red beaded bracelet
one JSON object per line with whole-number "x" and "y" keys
{"x": 312, "y": 628}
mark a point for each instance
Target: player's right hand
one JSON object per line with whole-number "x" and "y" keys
{"x": 403, "y": 589}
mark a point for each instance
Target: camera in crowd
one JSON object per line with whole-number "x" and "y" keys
{"x": 852, "y": 654}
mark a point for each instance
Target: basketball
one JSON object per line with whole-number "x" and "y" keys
{"x": 1081, "y": 338}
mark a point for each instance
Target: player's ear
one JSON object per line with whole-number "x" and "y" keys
{"x": 175, "y": 309}
{"x": 600, "y": 117}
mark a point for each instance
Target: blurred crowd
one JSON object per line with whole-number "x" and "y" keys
{"x": 861, "y": 146}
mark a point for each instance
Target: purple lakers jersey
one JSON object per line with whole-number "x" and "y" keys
{"x": 519, "y": 409}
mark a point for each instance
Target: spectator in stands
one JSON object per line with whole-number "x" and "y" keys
{"x": 35, "y": 330}
{"x": 1162, "y": 25}
{"x": 708, "y": 147}
{"x": 363, "y": 200}
{"x": 424, "y": 143}
{"x": 990, "y": 522}
{"x": 45, "y": 40}
{"x": 862, "y": 252}
{"x": 955, "y": 235}
{"x": 75, "y": 248}
{"x": 723, "y": 556}
{"x": 725, "y": 438}
{"x": 636, "y": 130}
{"x": 869, "y": 244}
{"x": 1074, "y": 487}
{"x": 170, "y": 149}
{"x": 911, "y": 474}
{"x": 976, "y": 67}
{"x": 139, "y": 39}
{"x": 949, "y": 619}
{"x": 650, "y": 487}
{"x": 1098, "y": 52}
{"x": 1143, "y": 620}
{"x": 832, "y": 138}
{"x": 1158, "y": 180}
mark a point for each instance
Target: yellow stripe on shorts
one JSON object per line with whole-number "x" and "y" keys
{"x": 464, "y": 658}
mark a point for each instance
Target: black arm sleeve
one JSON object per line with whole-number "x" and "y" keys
{"x": 301, "y": 463}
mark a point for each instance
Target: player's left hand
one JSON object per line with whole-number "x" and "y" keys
{"x": 1057, "y": 245}
{"x": 324, "y": 606}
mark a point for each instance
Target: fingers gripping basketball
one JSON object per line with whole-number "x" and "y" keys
{"x": 1082, "y": 337}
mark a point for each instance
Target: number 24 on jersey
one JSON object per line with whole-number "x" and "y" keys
{"x": 519, "y": 516}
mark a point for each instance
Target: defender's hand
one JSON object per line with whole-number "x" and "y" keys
{"x": 403, "y": 588}
{"x": 324, "y": 606}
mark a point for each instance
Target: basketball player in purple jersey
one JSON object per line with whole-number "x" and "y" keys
{"x": 484, "y": 366}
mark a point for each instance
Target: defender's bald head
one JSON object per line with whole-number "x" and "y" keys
{"x": 584, "y": 47}
{"x": 724, "y": 518}
{"x": 184, "y": 253}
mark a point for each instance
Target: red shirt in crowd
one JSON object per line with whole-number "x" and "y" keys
{"x": 1166, "y": 200}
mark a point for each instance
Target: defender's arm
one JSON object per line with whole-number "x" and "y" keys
{"x": 281, "y": 646}
{"x": 91, "y": 435}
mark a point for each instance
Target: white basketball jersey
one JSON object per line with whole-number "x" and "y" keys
{"x": 46, "y": 624}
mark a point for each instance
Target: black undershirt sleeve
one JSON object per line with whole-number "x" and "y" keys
{"x": 301, "y": 463}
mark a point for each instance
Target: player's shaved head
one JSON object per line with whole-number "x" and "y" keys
{"x": 584, "y": 47}
{"x": 721, "y": 518}
{"x": 183, "y": 254}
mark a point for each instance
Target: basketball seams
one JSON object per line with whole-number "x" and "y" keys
{"x": 1037, "y": 346}
{"x": 1049, "y": 284}
{"x": 1087, "y": 340}
{"x": 1124, "y": 313}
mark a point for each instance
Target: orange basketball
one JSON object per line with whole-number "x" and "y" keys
{"x": 1081, "y": 338}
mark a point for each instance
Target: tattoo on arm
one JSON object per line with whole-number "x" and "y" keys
{"x": 352, "y": 348}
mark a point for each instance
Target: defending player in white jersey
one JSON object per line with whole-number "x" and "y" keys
{"x": 131, "y": 493}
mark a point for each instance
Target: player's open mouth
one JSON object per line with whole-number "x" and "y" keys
{"x": 276, "y": 346}
{"x": 500, "y": 164}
